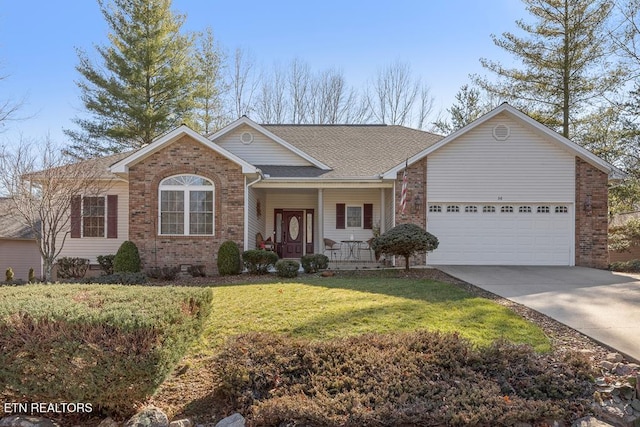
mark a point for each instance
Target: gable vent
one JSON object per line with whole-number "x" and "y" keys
{"x": 246, "y": 137}
{"x": 501, "y": 132}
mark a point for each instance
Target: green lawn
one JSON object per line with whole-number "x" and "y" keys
{"x": 325, "y": 308}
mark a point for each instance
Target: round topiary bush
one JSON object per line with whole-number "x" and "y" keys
{"x": 287, "y": 268}
{"x": 405, "y": 240}
{"x": 127, "y": 259}
{"x": 229, "y": 260}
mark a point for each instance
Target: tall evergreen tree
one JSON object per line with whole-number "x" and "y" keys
{"x": 564, "y": 61}
{"x": 469, "y": 106}
{"x": 210, "y": 86}
{"x": 144, "y": 86}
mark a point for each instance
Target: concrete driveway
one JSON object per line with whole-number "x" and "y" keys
{"x": 600, "y": 304}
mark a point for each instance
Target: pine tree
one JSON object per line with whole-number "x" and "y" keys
{"x": 565, "y": 61}
{"x": 143, "y": 88}
{"x": 210, "y": 86}
{"x": 468, "y": 107}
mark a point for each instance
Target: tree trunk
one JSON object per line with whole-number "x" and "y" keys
{"x": 406, "y": 263}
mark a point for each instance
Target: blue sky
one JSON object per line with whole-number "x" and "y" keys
{"x": 441, "y": 39}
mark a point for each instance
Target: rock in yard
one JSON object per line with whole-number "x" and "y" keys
{"x": 235, "y": 420}
{"x": 590, "y": 422}
{"x": 27, "y": 421}
{"x": 149, "y": 417}
{"x": 181, "y": 423}
{"x": 108, "y": 422}
{"x": 614, "y": 357}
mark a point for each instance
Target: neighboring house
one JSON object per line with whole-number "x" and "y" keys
{"x": 503, "y": 190}
{"x": 18, "y": 247}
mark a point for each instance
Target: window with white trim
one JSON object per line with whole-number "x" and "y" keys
{"x": 93, "y": 214}
{"x": 186, "y": 206}
{"x": 488, "y": 209}
{"x": 470, "y": 209}
{"x": 354, "y": 216}
{"x": 506, "y": 209}
{"x": 453, "y": 209}
{"x": 524, "y": 209}
{"x": 543, "y": 209}
{"x": 562, "y": 209}
{"x": 435, "y": 208}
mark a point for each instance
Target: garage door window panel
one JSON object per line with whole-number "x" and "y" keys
{"x": 453, "y": 209}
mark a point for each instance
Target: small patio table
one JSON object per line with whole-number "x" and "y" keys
{"x": 351, "y": 245}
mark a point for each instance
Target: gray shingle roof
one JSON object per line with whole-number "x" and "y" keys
{"x": 274, "y": 171}
{"x": 11, "y": 224}
{"x": 356, "y": 151}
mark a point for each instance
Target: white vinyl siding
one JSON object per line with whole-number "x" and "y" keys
{"x": 261, "y": 151}
{"x": 527, "y": 167}
{"x": 351, "y": 198}
{"x": 91, "y": 247}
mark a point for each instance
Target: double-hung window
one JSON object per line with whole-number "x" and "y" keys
{"x": 186, "y": 206}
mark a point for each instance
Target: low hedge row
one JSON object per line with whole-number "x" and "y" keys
{"x": 417, "y": 378}
{"x": 108, "y": 345}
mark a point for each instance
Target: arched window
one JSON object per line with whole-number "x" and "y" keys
{"x": 186, "y": 205}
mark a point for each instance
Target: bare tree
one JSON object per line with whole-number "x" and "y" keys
{"x": 41, "y": 183}
{"x": 392, "y": 95}
{"x": 271, "y": 106}
{"x": 332, "y": 100}
{"x": 243, "y": 83}
{"x": 299, "y": 90}
{"x": 8, "y": 109}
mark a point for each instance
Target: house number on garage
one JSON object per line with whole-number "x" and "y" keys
{"x": 499, "y": 197}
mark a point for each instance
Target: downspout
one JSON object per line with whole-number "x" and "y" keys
{"x": 246, "y": 205}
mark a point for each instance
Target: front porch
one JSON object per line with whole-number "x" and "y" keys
{"x": 298, "y": 221}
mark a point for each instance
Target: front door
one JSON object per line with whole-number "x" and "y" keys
{"x": 292, "y": 234}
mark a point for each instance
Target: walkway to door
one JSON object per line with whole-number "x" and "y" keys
{"x": 602, "y": 305}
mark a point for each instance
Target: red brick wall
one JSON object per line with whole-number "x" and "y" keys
{"x": 591, "y": 224}
{"x": 184, "y": 156}
{"x": 416, "y": 186}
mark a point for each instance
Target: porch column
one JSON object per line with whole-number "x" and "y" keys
{"x": 320, "y": 219}
{"x": 383, "y": 212}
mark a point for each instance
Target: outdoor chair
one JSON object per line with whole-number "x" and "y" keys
{"x": 334, "y": 248}
{"x": 267, "y": 245}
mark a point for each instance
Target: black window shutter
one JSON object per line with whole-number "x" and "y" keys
{"x": 112, "y": 216}
{"x": 368, "y": 216}
{"x": 76, "y": 216}
{"x": 340, "y": 215}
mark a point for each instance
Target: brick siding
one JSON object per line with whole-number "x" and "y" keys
{"x": 184, "y": 156}
{"x": 416, "y": 186}
{"x": 591, "y": 222}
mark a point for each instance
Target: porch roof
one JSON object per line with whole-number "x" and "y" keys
{"x": 275, "y": 171}
{"x": 355, "y": 151}
{"x": 11, "y": 225}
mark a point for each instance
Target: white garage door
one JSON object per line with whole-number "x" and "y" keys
{"x": 501, "y": 234}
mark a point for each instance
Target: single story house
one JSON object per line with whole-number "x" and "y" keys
{"x": 504, "y": 190}
{"x": 18, "y": 248}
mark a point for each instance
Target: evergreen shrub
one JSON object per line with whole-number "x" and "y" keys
{"x": 229, "y": 261}
{"x": 127, "y": 259}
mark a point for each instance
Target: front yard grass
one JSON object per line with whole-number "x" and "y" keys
{"x": 324, "y": 308}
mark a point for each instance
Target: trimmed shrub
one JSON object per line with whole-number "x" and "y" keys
{"x": 405, "y": 240}
{"x": 632, "y": 266}
{"x": 418, "y": 378}
{"x": 127, "y": 259}
{"x": 258, "y": 261}
{"x": 229, "y": 261}
{"x": 287, "y": 268}
{"x": 163, "y": 273}
{"x": 8, "y": 275}
{"x": 72, "y": 268}
{"x": 315, "y": 262}
{"x": 197, "y": 271}
{"x": 108, "y": 345}
{"x": 118, "y": 279}
{"x": 32, "y": 275}
{"x": 106, "y": 263}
